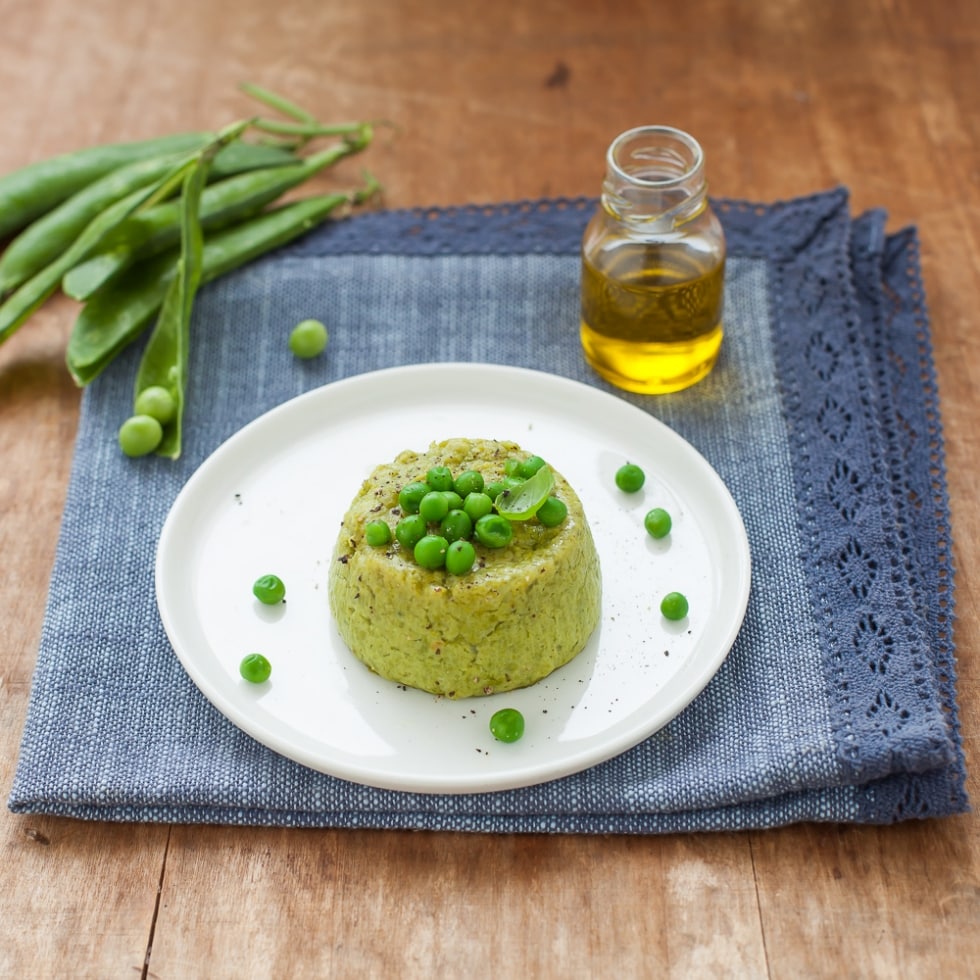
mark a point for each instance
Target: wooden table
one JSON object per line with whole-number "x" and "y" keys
{"x": 502, "y": 101}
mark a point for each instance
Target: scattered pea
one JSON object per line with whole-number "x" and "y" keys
{"x": 456, "y": 525}
{"x": 674, "y": 606}
{"x": 308, "y": 339}
{"x": 430, "y": 551}
{"x": 269, "y": 589}
{"x": 469, "y": 482}
{"x": 439, "y": 478}
{"x": 433, "y": 506}
{"x": 410, "y": 496}
{"x": 629, "y": 478}
{"x": 477, "y": 505}
{"x": 495, "y": 489}
{"x": 139, "y": 435}
{"x": 529, "y": 467}
{"x": 657, "y": 522}
{"x": 255, "y": 668}
{"x": 460, "y": 557}
{"x": 410, "y": 530}
{"x": 377, "y": 533}
{"x": 552, "y": 512}
{"x": 454, "y": 500}
{"x": 507, "y": 725}
{"x": 157, "y": 402}
{"x": 493, "y": 531}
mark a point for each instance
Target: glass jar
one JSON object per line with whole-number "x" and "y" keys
{"x": 653, "y": 266}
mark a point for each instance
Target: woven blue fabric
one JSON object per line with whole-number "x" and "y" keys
{"x": 837, "y": 701}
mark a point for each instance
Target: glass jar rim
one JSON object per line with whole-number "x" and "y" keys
{"x": 690, "y": 167}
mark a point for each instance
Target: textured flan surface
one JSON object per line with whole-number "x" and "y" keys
{"x": 522, "y": 611}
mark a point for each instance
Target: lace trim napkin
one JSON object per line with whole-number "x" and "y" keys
{"x": 837, "y": 702}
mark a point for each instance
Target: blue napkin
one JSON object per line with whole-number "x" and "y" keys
{"x": 837, "y": 701}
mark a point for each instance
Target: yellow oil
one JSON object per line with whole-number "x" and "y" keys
{"x": 652, "y": 321}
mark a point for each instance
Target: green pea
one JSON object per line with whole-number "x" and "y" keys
{"x": 269, "y": 589}
{"x": 410, "y": 496}
{"x": 629, "y": 478}
{"x": 460, "y": 557}
{"x": 512, "y": 467}
{"x": 495, "y": 489}
{"x": 454, "y": 500}
{"x": 552, "y": 512}
{"x": 456, "y": 525}
{"x": 308, "y": 339}
{"x": 439, "y": 478}
{"x": 433, "y": 506}
{"x": 430, "y": 551}
{"x": 255, "y": 668}
{"x": 674, "y": 606}
{"x": 377, "y": 533}
{"x": 410, "y": 530}
{"x": 477, "y": 505}
{"x": 657, "y": 522}
{"x": 507, "y": 725}
{"x": 529, "y": 467}
{"x": 469, "y": 482}
{"x": 139, "y": 435}
{"x": 493, "y": 531}
{"x": 157, "y": 402}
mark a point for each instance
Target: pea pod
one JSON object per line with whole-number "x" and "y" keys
{"x": 119, "y": 312}
{"x": 307, "y": 130}
{"x": 44, "y": 239}
{"x": 225, "y": 202}
{"x": 31, "y": 191}
{"x": 272, "y": 99}
{"x": 18, "y": 307}
{"x": 164, "y": 361}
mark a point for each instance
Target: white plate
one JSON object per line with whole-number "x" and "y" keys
{"x": 271, "y": 499}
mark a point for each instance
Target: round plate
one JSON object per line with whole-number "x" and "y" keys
{"x": 271, "y": 499}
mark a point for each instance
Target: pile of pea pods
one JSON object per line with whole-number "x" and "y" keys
{"x": 132, "y": 230}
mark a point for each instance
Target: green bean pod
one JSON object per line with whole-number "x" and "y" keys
{"x": 18, "y": 307}
{"x": 225, "y": 202}
{"x": 118, "y": 313}
{"x": 275, "y": 101}
{"x": 48, "y": 236}
{"x": 29, "y": 192}
{"x": 165, "y": 357}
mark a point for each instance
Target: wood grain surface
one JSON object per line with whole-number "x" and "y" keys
{"x": 493, "y": 102}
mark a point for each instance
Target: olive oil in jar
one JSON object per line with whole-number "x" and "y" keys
{"x": 653, "y": 322}
{"x": 653, "y": 266}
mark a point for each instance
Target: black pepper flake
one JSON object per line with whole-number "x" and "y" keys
{"x": 343, "y": 559}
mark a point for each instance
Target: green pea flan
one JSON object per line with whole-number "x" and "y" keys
{"x": 520, "y": 612}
